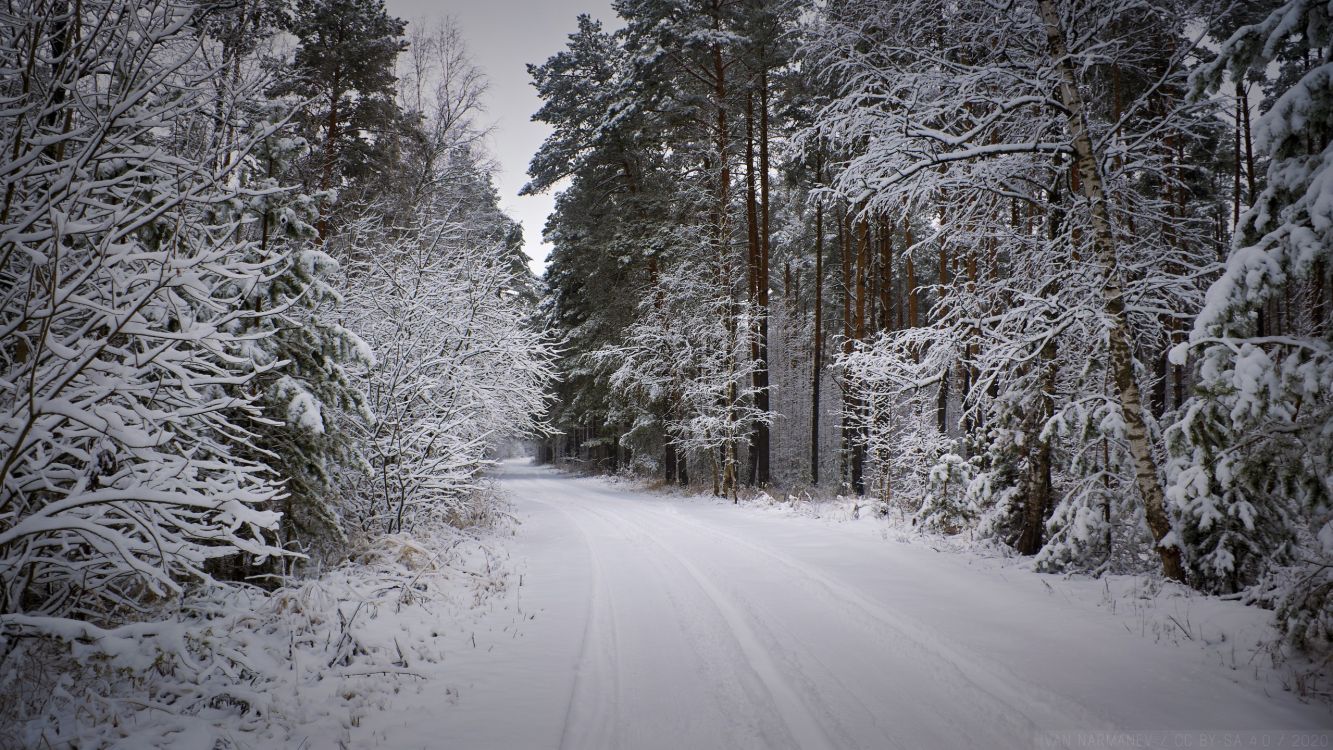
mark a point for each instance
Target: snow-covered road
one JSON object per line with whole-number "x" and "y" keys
{"x": 645, "y": 621}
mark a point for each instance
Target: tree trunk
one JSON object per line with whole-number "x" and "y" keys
{"x": 818, "y": 343}
{"x": 968, "y": 370}
{"x": 1038, "y": 502}
{"x": 669, "y": 461}
{"x": 330, "y": 155}
{"x": 858, "y": 403}
{"x": 762, "y": 437}
{"x": 752, "y": 236}
{"x": 913, "y": 304}
{"x": 845, "y": 255}
{"x": 720, "y": 241}
{"x": 1249, "y": 145}
{"x": 862, "y": 272}
{"x": 942, "y": 398}
{"x": 1146, "y": 473}
{"x": 1235, "y": 173}
{"x": 885, "y": 261}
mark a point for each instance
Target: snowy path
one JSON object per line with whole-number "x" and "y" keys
{"x": 652, "y": 622}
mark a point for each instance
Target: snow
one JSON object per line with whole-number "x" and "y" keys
{"x": 636, "y": 620}
{"x": 304, "y": 411}
{"x": 243, "y": 668}
{"x": 615, "y": 618}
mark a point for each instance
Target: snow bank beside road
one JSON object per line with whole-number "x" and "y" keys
{"x": 301, "y": 666}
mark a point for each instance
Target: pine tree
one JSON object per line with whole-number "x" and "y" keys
{"x": 345, "y": 59}
{"x": 612, "y": 231}
{"x": 304, "y": 436}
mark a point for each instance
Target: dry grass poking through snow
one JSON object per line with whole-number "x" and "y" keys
{"x": 240, "y": 667}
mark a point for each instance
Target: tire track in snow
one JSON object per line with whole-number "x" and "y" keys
{"x": 809, "y": 730}
{"x": 597, "y": 663}
{"x": 783, "y": 671}
{"x": 1038, "y": 708}
{"x": 605, "y": 708}
{"x": 917, "y": 680}
{"x": 798, "y": 655}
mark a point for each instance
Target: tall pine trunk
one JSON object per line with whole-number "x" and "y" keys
{"x": 720, "y": 239}
{"x": 818, "y": 356}
{"x": 753, "y": 266}
{"x": 845, "y": 255}
{"x": 858, "y": 403}
{"x": 762, "y": 438}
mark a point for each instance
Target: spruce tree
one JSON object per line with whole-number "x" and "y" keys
{"x": 309, "y": 432}
{"x": 1253, "y": 454}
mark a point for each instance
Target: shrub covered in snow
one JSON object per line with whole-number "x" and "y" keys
{"x": 125, "y": 380}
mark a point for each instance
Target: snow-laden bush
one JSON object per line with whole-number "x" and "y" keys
{"x": 239, "y": 666}
{"x": 123, "y": 373}
{"x": 457, "y": 370}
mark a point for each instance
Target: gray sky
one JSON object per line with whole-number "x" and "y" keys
{"x": 503, "y": 36}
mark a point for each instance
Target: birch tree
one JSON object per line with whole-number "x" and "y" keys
{"x": 986, "y": 102}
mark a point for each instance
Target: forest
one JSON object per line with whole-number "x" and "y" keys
{"x": 259, "y": 311}
{"x": 1054, "y": 274}
{"x": 1051, "y": 279}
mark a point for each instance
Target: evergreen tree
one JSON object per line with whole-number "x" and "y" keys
{"x": 607, "y": 230}
{"x": 312, "y": 407}
{"x": 309, "y": 402}
{"x": 1253, "y": 454}
{"x": 344, "y": 62}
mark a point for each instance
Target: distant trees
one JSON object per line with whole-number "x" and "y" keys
{"x": 655, "y": 125}
{"x": 690, "y": 355}
{"x": 982, "y": 136}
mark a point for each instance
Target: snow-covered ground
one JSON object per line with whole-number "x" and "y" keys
{"x": 239, "y": 668}
{"x": 635, "y": 620}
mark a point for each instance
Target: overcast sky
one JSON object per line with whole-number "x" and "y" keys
{"x": 503, "y": 36}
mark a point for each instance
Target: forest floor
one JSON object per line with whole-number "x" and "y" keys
{"x": 645, "y": 620}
